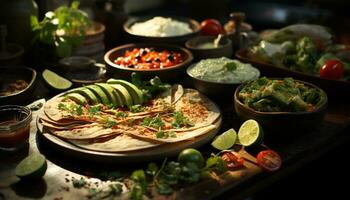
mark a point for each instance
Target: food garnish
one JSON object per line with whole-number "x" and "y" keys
{"x": 32, "y": 167}
{"x": 226, "y": 140}
{"x": 269, "y": 160}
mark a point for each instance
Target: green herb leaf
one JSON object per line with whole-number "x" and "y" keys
{"x": 79, "y": 183}
{"x": 155, "y": 122}
{"x": 164, "y": 189}
{"x": 93, "y": 110}
{"x": 152, "y": 169}
{"x": 181, "y": 120}
{"x": 136, "y": 108}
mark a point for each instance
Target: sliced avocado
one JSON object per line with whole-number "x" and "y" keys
{"x": 79, "y": 99}
{"x": 124, "y": 94}
{"x": 93, "y": 99}
{"x": 99, "y": 93}
{"x": 135, "y": 92}
{"x": 111, "y": 93}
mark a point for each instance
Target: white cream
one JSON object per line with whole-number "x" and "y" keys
{"x": 161, "y": 27}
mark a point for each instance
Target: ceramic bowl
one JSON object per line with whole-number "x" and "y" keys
{"x": 173, "y": 73}
{"x": 283, "y": 122}
{"x": 179, "y": 39}
{"x": 196, "y": 45}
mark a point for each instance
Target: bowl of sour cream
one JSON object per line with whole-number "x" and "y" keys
{"x": 161, "y": 29}
{"x": 219, "y": 77}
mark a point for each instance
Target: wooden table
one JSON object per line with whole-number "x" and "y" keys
{"x": 296, "y": 153}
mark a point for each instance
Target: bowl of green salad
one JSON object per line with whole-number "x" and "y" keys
{"x": 281, "y": 104}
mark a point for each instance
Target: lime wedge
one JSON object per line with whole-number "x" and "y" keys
{"x": 226, "y": 140}
{"x": 32, "y": 167}
{"x": 56, "y": 81}
{"x": 250, "y": 133}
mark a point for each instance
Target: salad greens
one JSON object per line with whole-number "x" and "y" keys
{"x": 285, "y": 95}
{"x": 303, "y": 48}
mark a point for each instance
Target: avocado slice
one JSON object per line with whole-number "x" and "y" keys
{"x": 123, "y": 93}
{"x": 79, "y": 99}
{"x": 99, "y": 93}
{"x": 90, "y": 96}
{"x": 135, "y": 92}
{"x": 111, "y": 93}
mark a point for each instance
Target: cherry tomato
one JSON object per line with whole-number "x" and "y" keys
{"x": 232, "y": 159}
{"x": 332, "y": 69}
{"x": 211, "y": 27}
{"x": 269, "y": 160}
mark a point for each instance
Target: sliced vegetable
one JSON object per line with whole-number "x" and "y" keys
{"x": 232, "y": 159}
{"x": 32, "y": 167}
{"x": 269, "y": 160}
{"x": 226, "y": 140}
{"x": 250, "y": 133}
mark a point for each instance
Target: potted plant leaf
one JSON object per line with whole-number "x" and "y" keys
{"x": 64, "y": 31}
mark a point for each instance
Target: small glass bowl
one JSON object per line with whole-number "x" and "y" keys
{"x": 14, "y": 126}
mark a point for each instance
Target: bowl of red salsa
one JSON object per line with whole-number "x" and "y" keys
{"x": 164, "y": 60}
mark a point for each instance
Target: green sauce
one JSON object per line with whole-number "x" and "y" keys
{"x": 224, "y": 70}
{"x": 208, "y": 45}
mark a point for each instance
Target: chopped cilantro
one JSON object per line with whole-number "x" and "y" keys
{"x": 121, "y": 114}
{"x": 72, "y": 109}
{"x": 181, "y": 120}
{"x": 109, "y": 122}
{"x": 155, "y": 122}
{"x": 79, "y": 109}
{"x": 79, "y": 183}
{"x": 162, "y": 134}
{"x": 93, "y": 110}
{"x": 136, "y": 108}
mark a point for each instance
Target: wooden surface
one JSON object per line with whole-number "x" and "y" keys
{"x": 296, "y": 151}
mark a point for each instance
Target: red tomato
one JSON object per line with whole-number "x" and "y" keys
{"x": 211, "y": 27}
{"x": 269, "y": 160}
{"x": 332, "y": 69}
{"x": 232, "y": 159}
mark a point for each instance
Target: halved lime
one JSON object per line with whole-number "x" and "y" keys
{"x": 250, "y": 133}
{"x": 226, "y": 140}
{"x": 32, "y": 167}
{"x": 55, "y": 81}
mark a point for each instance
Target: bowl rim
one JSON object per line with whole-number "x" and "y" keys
{"x": 18, "y": 124}
{"x": 149, "y": 45}
{"x": 321, "y": 107}
{"x": 33, "y": 77}
{"x": 208, "y": 81}
{"x": 226, "y": 44}
{"x": 127, "y": 25}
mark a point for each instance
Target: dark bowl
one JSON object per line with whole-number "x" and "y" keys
{"x": 11, "y": 74}
{"x": 94, "y": 74}
{"x": 180, "y": 39}
{"x": 172, "y": 73}
{"x": 336, "y": 89}
{"x": 281, "y": 123}
{"x": 224, "y": 50}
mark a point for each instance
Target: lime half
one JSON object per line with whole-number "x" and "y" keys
{"x": 250, "y": 133}
{"x": 56, "y": 81}
{"x": 226, "y": 140}
{"x": 32, "y": 167}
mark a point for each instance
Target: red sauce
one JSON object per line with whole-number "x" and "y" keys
{"x": 13, "y": 138}
{"x": 148, "y": 58}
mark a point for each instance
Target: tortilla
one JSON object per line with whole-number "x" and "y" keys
{"x": 129, "y": 132}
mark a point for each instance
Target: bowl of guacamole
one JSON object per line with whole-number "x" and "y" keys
{"x": 217, "y": 77}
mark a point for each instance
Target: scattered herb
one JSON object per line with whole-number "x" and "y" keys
{"x": 149, "y": 88}
{"x": 109, "y": 122}
{"x": 163, "y": 134}
{"x": 72, "y": 109}
{"x": 181, "y": 120}
{"x": 93, "y": 110}
{"x": 79, "y": 183}
{"x": 215, "y": 163}
{"x": 152, "y": 169}
{"x": 121, "y": 114}
{"x": 155, "y": 122}
{"x": 137, "y": 108}
{"x": 140, "y": 185}
{"x": 114, "y": 175}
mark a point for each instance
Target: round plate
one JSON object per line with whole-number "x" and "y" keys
{"x": 153, "y": 153}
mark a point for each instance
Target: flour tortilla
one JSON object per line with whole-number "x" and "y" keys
{"x": 120, "y": 143}
{"x": 84, "y": 133}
